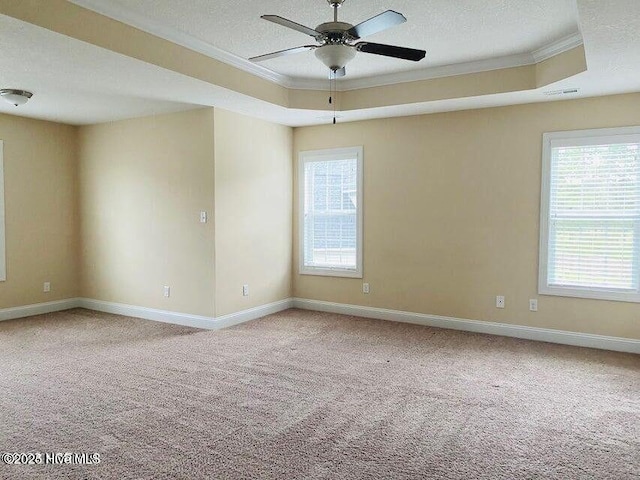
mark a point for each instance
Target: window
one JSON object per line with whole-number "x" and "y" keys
{"x": 590, "y": 214}
{"x": 3, "y": 264}
{"x": 330, "y": 206}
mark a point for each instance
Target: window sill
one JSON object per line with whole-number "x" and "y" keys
{"x": 330, "y": 272}
{"x": 611, "y": 295}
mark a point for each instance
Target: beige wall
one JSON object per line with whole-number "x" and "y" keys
{"x": 41, "y": 211}
{"x": 253, "y": 198}
{"x": 143, "y": 183}
{"x": 111, "y": 211}
{"x": 451, "y": 214}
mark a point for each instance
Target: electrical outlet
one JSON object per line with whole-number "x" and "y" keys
{"x": 500, "y": 301}
{"x": 533, "y": 304}
{"x": 365, "y": 288}
{"x": 203, "y": 217}
{"x": 167, "y": 291}
{"x": 46, "y": 287}
{"x": 245, "y": 290}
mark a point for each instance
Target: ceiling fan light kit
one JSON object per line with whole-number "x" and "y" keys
{"x": 335, "y": 56}
{"x": 15, "y": 97}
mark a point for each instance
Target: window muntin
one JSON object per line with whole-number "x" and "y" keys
{"x": 590, "y": 216}
{"x": 331, "y": 212}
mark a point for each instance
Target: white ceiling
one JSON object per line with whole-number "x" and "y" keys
{"x": 450, "y": 31}
{"x": 75, "y": 82}
{"x": 78, "y": 83}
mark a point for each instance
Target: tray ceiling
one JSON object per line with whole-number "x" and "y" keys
{"x": 452, "y": 32}
{"x": 84, "y": 68}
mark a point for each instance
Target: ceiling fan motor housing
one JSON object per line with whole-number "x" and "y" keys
{"x": 334, "y": 32}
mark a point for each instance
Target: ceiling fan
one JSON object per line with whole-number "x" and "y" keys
{"x": 337, "y": 41}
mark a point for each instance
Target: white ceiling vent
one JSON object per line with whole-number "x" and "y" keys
{"x": 566, "y": 91}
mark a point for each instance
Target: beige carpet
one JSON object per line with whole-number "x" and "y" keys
{"x": 302, "y": 395}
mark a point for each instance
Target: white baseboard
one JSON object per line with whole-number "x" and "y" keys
{"x": 165, "y": 316}
{"x": 253, "y": 313}
{"x": 197, "y": 321}
{"x": 38, "y": 309}
{"x": 517, "y": 331}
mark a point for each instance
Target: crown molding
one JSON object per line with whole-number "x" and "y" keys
{"x": 428, "y": 73}
{"x": 193, "y": 43}
{"x": 496, "y": 63}
{"x": 553, "y": 49}
{"x": 556, "y": 48}
{"x": 183, "y": 39}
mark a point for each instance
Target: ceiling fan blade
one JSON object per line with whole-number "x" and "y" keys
{"x": 291, "y": 24}
{"x": 377, "y": 24}
{"x": 341, "y": 72}
{"x": 391, "y": 51}
{"x": 282, "y": 53}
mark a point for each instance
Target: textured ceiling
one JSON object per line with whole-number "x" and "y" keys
{"x": 74, "y": 81}
{"x": 613, "y": 43}
{"x": 451, "y": 31}
{"x": 78, "y": 83}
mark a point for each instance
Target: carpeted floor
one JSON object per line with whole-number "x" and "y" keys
{"x": 302, "y": 395}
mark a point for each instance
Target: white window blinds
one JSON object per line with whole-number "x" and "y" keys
{"x": 593, "y": 216}
{"x": 331, "y": 212}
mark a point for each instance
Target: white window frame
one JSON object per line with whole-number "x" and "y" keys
{"x": 552, "y": 140}
{"x": 327, "y": 155}
{"x": 3, "y": 258}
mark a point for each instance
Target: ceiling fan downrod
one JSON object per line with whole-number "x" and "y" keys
{"x": 335, "y": 4}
